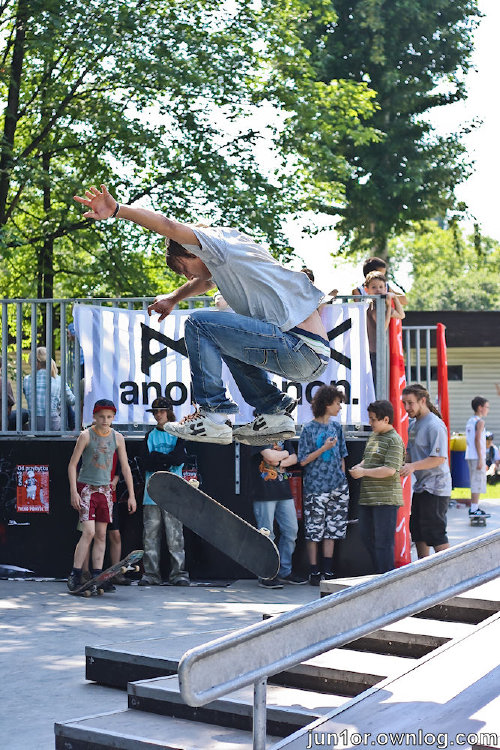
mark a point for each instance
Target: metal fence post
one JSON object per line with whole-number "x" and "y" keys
{"x": 259, "y": 714}
{"x": 381, "y": 345}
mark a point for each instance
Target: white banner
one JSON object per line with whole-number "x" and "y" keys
{"x": 131, "y": 359}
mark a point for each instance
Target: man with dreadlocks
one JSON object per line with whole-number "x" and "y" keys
{"x": 428, "y": 459}
{"x": 275, "y": 326}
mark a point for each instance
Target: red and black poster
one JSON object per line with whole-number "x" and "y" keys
{"x": 32, "y": 489}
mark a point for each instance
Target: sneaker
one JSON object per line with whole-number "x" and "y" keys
{"x": 266, "y": 428}
{"x": 314, "y": 579}
{"x": 200, "y": 428}
{"x": 270, "y": 583}
{"x": 122, "y": 580}
{"x": 107, "y": 586}
{"x": 181, "y": 582}
{"x": 74, "y": 582}
{"x": 292, "y": 578}
{"x": 328, "y": 576}
{"x": 479, "y": 513}
{"x": 145, "y": 581}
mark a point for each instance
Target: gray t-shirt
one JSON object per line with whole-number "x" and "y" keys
{"x": 251, "y": 281}
{"x": 428, "y": 436}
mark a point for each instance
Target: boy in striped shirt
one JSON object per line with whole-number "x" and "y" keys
{"x": 381, "y": 493}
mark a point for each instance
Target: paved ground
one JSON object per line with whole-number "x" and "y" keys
{"x": 43, "y": 633}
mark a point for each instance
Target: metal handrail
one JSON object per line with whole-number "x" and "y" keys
{"x": 224, "y": 665}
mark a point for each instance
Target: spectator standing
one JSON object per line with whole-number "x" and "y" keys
{"x": 272, "y": 499}
{"x": 376, "y": 284}
{"x": 38, "y": 420}
{"x": 162, "y": 452}
{"x": 492, "y": 459}
{"x": 381, "y": 494}
{"x": 475, "y": 454}
{"x": 427, "y": 455}
{"x": 379, "y": 265}
{"x": 322, "y": 452}
{"x": 10, "y": 398}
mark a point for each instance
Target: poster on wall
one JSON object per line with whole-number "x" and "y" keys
{"x": 32, "y": 489}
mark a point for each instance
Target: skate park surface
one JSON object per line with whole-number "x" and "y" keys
{"x": 44, "y": 632}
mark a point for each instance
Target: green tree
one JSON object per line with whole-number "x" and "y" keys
{"x": 450, "y": 270}
{"x": 148, "y": 96}
{"x": 414, "y": 55}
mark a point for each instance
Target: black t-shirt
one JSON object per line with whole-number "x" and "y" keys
{"x": 267, "y": 482}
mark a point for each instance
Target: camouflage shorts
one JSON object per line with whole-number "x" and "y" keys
{"x": 325, "y": 515}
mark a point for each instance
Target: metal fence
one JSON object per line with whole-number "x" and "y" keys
{"x": 29, "y": 323}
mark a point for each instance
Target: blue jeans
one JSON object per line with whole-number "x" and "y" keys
{"x": 265, "y": 512}
{"x": 377, "y": 526}
{"x": 250, "y": 348}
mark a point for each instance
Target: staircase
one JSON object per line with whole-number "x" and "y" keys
{"x": 349, "y": 685}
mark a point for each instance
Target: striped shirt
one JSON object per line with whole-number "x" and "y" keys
{"x": 55, "y": 393}
{"x": 383, "y": 449}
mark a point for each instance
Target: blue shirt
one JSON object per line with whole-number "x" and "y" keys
{"x": 161, "y": 442}
{"x": 325, "y": 473}
{"x": 55, "y": 393}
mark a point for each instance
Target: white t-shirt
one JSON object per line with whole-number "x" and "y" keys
{"x": 252, "y": 282}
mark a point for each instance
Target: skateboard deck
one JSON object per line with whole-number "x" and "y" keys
{"x": 128, "y": 563}
{"x": 214, "y": 523}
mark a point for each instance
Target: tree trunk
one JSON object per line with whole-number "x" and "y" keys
{"x": 12, "y": 109}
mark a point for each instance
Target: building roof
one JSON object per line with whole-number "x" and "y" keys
{"x": 463, "y": 327}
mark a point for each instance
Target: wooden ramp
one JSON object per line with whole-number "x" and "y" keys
{"x": 450, "y": 698}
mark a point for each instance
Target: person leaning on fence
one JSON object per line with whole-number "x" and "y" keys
{"x": 41, "y": 388}
{"x": 162, "y": 452}
{"x": 376, "y": 284}
{"x": 427, "y": 460}
{"x": 275, "y": 326}
{"x": 381, "y": 494}
{"x": 322, "y": 452}
{"x": 492, "y": 459}
{"x": 379, "y": 265}
{"x": 91, "y": 493}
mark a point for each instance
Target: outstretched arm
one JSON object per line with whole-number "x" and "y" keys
{"x": 102, "y": 205}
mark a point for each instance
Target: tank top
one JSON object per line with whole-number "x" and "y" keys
{"x": 470, "y": 437}
{"x": 97, "y": 459}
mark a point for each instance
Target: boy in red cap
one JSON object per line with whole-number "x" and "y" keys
{"x": 91, "y": 493}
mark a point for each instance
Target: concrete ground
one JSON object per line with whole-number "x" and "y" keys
{"x": 43, "y": 634}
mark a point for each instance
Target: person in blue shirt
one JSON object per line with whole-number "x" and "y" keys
{"x": 322, "y": 450}
{"x": 162, "y": 452}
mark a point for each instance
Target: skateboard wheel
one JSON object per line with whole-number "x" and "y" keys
{"x": 123, "y": 569}
{"x": 87, "y": 594}
{"x": 100, "y": 592}
{"x": 194, "y": 483}
{"x": 136, "y": 568}
{"x": 265, "y": 531}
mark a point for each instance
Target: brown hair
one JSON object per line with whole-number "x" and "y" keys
{"x": 381, "y": 409}
{"x": 324, "y": 397}
{"x": 373, "y": 264}
{"x": 175, "y": 250}
{"x": 375, "y": 276}
{"x": 420, "y": 392}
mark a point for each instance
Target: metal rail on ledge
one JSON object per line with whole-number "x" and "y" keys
{"x": 254, "y": 653}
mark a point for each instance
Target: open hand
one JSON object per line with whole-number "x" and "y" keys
{"x": 101, "y": 203}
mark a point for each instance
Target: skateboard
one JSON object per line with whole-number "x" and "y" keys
{"x": 478, "y": 520}
{"x": 251, "y": 548}
{"x": 128, "y": 563}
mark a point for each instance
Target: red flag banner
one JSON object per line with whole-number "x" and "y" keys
{"x": 397, "y": 381}
{"x": 442, "y": 375}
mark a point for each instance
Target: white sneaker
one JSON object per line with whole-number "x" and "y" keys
{"x": 266, "y": 428}
{"x": 200, "y": 428}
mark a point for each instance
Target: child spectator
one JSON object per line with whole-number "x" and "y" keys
{"x": 322, "y": 452}
{"x": 492, "y": 459}
{"x": 379, "y": 265}
{"x": 91, "y": 494}
{"x": 375, "y": 284}
{"x": 475, "y": 454}
{"x": 162, "y": 452}
{"x": 381, "y": 493}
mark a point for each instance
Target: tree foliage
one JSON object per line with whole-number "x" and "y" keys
{"x": 450, "y": 270}
{"x": 414, "y": 55}
{"x": 149, "y": 96}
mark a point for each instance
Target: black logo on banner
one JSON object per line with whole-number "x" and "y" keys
{"x": 147, "y": 357}
{"x": 346, "y": 325}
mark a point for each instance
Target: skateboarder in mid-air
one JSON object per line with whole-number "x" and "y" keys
{"x": 275, "y": 326}
{"x": 91, "y": 494}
